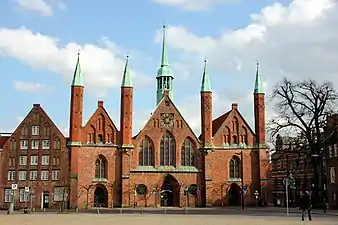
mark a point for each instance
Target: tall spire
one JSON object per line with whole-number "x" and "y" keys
{"x": 206, "y": 85}
{"x": 258, "y": 82}
{"x": 164, "y": 60}
{"x": 126, "y": 80}
{"x": 77, "y": 77}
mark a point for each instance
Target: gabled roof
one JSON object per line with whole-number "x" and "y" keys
{"x": 99, "y": 107}
{"x": 166, "y": 97}
{"x": 3, "y": 141}
{"x": 218, "y": 122}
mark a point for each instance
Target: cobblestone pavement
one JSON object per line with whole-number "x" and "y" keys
{"x": 146, "y": 219}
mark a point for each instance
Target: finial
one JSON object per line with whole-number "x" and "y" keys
{"x": 127, "y": 56}
{"x": 205, "y": 59}
{"x": 257, "y": 63}
{"x": 78, "y": 52}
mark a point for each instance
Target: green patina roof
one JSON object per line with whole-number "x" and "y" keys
{"x": 258, "y": 83}
{"x": 126, "y": 80}
{"x": 206, "y": 85}
{"x": 77, "y": 77}
{"x": 164, "y": 70}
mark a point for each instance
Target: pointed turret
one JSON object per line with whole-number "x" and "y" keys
{"x": 258, "y": 82}
{"x": 126, "y": 80}
{"x": 164, "y": 74}
{"x": 206, "y": 85}
{"x": 77, "y": 77}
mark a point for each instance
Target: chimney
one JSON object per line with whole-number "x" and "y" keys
{"x": 100, "y": 104}
{"x": 36, "y": 105}
{"x": 234, "y": 106}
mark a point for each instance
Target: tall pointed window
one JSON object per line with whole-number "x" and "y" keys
{"x": 145, "y": 153}
{"x": 168, "y": 150}
{"x": 188, "y": 153}
{"x": 101, "y": 167}
{"x": 235, "y": 167}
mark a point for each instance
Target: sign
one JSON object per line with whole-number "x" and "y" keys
{"x": 26, "y": 189}
{"x": 14, "y": 186}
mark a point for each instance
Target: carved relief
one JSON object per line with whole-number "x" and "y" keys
{"x": 167, "y": 120}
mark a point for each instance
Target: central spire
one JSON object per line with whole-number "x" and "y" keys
{"x": 164, "y": 74}
{"x": 77, "y": 77}
{"x": 258, "y": 89}
{"x": 164, "y": 61}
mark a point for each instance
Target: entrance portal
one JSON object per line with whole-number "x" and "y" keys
{"x": 234, "y": 195}
{"x": 100, "y": 196}
{"x": 170, "y": 191}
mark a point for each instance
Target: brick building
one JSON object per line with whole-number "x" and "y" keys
{"x": 290, "y": 158}
{"x": 164, "y": 164}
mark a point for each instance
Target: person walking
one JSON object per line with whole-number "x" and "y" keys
{"x": 305, "y": 205}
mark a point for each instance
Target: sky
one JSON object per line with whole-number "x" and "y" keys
{"x": 39, "y": 41}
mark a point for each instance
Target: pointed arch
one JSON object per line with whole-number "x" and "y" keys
{"x": 227, "y": 135}
{"x": 188, "y": 151}
{"x": 91, "y": 134}
{"x": 46, "y": 129}
{"x": 24, "y": 130}
{"x": 100, "y": 122}
{"x": 235, "y": 124}
{"x": 234, "y": 167}
{"x": 57, "y": 143}
{"x": 101, "y": 167}
{"x": 168, "y": 150}
{"x": 245, "y": 135}
{"x": 146, "y": 152}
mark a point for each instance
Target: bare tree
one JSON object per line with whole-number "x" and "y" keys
{"x": 301, "y": 110}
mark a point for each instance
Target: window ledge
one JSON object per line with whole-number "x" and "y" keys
{"x": 234, "y": 179}
{"x": 100, "y": 180}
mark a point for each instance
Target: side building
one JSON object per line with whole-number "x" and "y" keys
{"x": 36, "y": 159}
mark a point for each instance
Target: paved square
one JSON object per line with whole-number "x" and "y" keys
{"x": 111, "y": 219}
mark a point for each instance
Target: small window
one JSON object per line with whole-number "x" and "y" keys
{"x": 9, "y": 195}
{"x": 56, "y": 175}
{"x": 33, "y": 175}
{"x": 45, "y": 144}
{"x": 34, "y": 160}
{"x": 22, "y": 175}
{"x": 35, "y": 144}
{"x": 24, "y": 196}
{"x": 11, "y": 175}
{"x": 44, "y": 175}
{"x": 45, "y": 160}
{"x": 35, "y": 130}
{"x": 24, "y": 144}
{"x": 23, "y": 160}
{"x": 100, "y": 138}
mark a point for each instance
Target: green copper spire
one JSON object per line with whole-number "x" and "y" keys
{"x": 206, "y": 85}
{"x": 77, "y": 78}
{"x": 126, "y": 80}
{"x": 164, "y": 74}
{"x": 258, "y": 83}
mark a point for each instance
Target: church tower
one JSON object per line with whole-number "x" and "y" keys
{"x": 74, "y": 144}
{"x": 259, "y": 110}
{"x": 164, "y": 74}
{"x": 126, "y": 124}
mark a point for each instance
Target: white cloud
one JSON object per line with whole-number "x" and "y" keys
{"x": 298, "y": 40}
{"x": 30, "y": 87}
{"x": 193, "y": 5}
{"x": 43, "y": 7}
{"x": 101, "y": 65}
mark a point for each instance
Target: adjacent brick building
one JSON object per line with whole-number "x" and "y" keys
{"x": 165, "y": 164}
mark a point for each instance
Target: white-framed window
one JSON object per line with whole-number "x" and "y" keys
{"x": 44, "y": 175}
{"x": 8, "y": 195}
{"x": 11, "y": 175}
{"x": 56, "y": 175}
{"x": 33, "y": 175}
{"x": 45, "y": 144}
{"x": 45, "y": 160}
{"x": 24, "y": 196}
{"x": 35, "y": 144}
{"x": 34, "y": 160}
{"x": 23, "y": 144}
{"x": 23, "y": 160}
{"x": 22, "y": 175}
{"x": 35, "y": 130}
{"x": 60, "y": 194}
{"x": 332, "y": 175}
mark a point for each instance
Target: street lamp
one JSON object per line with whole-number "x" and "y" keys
{"x": 242, "y": 179}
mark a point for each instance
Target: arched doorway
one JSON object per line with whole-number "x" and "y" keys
{"x": 170, "y": 192}
{"x": 234, "y": 195}
{"x": 100, "y": 196}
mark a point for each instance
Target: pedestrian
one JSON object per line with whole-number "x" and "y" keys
{"x": 305, "y": 205}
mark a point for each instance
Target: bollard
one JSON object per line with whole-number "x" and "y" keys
{"x": 186, "y": 210}
{"x": 77, "y": 210}
{"x": 141, "y": 210}
{"x": 98, "y": 211}
{"x": 165, "y": 211}
{"x": 121, "y": 211}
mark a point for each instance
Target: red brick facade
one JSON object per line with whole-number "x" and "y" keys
{"x": 164, "y": 164}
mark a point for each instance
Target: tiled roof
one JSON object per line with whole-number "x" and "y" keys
{"x": 217, "y": 123}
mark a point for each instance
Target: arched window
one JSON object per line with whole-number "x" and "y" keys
{"x": 57, "y": 143}
{"x": 188, "y": 153}
{"x": 168, "y": 150}
{"x": 100, "y": 138}
{"x": 234, "y": 167}
{"x": 145, "y": 153}
{"x": 101, "y": 167}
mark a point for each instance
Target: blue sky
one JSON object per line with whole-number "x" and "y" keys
{"x": 39, "y": 41}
